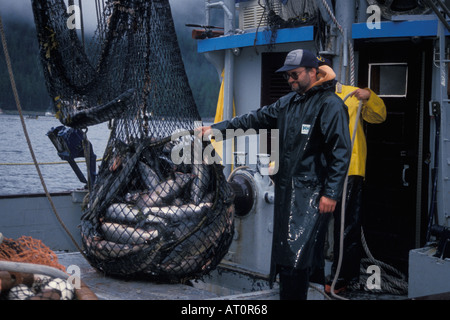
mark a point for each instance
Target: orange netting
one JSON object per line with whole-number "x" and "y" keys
{"x": 29, "y": 250}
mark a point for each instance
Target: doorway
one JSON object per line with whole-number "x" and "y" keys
{"x": 395, "y": 196}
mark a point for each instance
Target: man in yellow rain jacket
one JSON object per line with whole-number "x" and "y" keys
{"x": 373, "y": 111}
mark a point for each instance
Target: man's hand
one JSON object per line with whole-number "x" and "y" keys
{"x": 327, "y": 205}
{"x": 203, "y": 131}
{"x": 361, "y": 94}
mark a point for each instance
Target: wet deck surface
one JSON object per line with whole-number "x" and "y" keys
{"x": 109, "y": 288}
{"x": 364, "y": 295}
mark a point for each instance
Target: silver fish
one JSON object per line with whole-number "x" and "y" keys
{"x": 109, "y": 188}
{"x": 198, "y": 243}
{"x": 149, "y": 176}
{"x": 125, "y": 213}
{"x": 172, "y": 188}
{"x": 207, "y": 236}
{"x": 200, "y": 182}
{"x": 175, "y": 212}
{"x": 200, "y": 170}
{"x": 165, "y": 192}
{"x": 90, "y": 246}
{"x": 209, "y": 197}
{"x": 150, "y": 157}
{"x": 166, "y": 163}
{"x": 116, "y": 250}
{"x": 178, "y": 202}
{"x": 104, "y": 249}
{"x": 145, "y": 199}
{"x": 127, "y": 235}
{"x": 182, "y": 229}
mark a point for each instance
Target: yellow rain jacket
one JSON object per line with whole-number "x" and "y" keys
{"x": 218, "y": 145}
{"x": 372, "y": 111}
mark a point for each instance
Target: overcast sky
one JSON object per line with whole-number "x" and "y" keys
{"x": 188, "y": 11}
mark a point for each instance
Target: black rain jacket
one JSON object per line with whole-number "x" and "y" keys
{"x": 314, "y": 153}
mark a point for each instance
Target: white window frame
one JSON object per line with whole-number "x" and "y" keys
{"x": 390, "y": 64}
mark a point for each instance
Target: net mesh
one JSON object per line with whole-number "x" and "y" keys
{"x": 29, "y": 250}
{"x": 153, "y": 209}
{"x": 281, "y": 14}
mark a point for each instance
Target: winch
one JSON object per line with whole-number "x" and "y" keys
{"x": 254, "y": 195}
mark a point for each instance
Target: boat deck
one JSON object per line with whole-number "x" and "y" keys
{"x": 110, "y": 288}
{"x": 113, "y": 288}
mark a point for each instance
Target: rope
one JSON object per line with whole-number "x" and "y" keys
{"x": 19, "y": 108}
{"x": 395, "y": 284}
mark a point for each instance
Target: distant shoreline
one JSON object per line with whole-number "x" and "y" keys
{"x": 24, "y": 112}
{"x": 43, "y": 114}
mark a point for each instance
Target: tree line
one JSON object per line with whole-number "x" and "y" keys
{"x": 24, "y": 52}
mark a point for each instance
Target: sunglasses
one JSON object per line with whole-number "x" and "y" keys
{"x": 293, "y": 75}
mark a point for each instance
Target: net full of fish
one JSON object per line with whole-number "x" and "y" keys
{"x": 145, "y": 214}
{"x": 164, "y": 220}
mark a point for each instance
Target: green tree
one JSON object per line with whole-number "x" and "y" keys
{"x": 23, "y": 50}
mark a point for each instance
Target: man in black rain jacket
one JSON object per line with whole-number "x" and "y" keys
{"x": 314, "y": 152}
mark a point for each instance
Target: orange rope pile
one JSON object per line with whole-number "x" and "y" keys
{"x": 28, "y": 250}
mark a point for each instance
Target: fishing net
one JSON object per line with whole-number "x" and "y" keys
{"x": 27, "y": 249}
{"x": 160, "y": 205}
{"x": 157, "y": 218}
{"x": 281, "y": 14}
{"x": 289, "y": 14}
{"x": 32, "y": 284}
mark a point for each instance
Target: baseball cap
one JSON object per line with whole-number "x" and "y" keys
{"x": 299, "y": 58}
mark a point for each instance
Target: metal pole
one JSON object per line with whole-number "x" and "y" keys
{"x": 207, "y": 15}
{"x": 362, "y": 8}
{"x": 345, "y": 15}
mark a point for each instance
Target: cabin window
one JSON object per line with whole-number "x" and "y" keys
{"x": 388, "y": 79}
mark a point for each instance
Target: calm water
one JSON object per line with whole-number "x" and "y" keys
{"x": 18, "y": 179}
